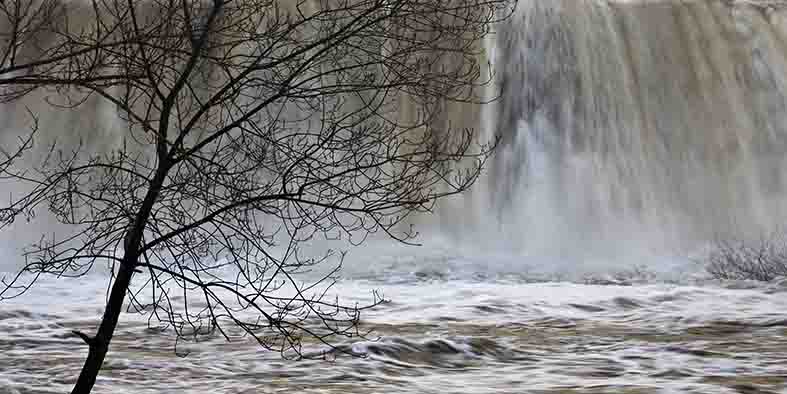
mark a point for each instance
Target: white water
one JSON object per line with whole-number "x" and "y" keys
{"x": 633, "y": 131}
{"x": 443, "y": 331}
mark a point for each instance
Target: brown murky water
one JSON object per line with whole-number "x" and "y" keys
{"x": 439, "y": 336}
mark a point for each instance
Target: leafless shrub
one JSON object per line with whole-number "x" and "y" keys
{"x": 762, "y": 260}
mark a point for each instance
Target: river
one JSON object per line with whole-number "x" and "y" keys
{"x": 453, "y": 323}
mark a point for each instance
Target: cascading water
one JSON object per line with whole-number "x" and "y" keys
{"x": 625, "y": 126}
{"x": 637, "y": 125}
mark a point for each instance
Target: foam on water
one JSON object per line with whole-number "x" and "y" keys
{"x": 436, "y": 335}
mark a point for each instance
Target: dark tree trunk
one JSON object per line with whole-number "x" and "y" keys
{"x": 100, "y": 343}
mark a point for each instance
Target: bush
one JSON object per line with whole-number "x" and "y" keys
{"x": 762, "y": 260}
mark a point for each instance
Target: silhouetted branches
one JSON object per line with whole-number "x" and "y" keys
{"x": 251, "y": 127}
{"x": 764, "y": 259}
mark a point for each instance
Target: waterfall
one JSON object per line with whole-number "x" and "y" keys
{"x": 623, "y": 125}
{"x": 637, "y": 124}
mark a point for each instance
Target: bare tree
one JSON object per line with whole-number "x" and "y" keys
{"x": 247, "y": 128}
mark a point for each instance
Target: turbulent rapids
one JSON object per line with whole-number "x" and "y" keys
{"x": 438, "y": 337}
{"x": 629, "y": 129}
